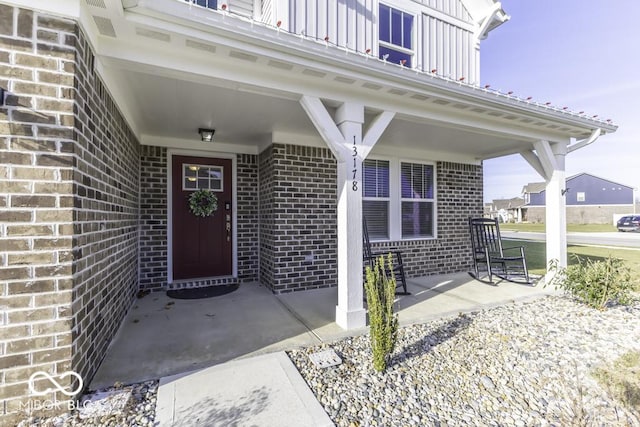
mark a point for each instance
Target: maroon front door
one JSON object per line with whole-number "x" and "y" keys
{"x": 202, "y": 247}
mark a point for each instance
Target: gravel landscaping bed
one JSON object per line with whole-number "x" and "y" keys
{"x": 522, "y": 364}
{"x": 121, "y": 406}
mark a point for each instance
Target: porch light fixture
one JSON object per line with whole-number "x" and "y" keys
{"x": 206, "y": 134}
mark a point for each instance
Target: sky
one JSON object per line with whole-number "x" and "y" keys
{"x": 583, "y": 54}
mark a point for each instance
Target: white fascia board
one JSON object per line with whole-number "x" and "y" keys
{"x": 62, "y": 8}
{"x": 264, "y": 41}
{"x": 194, "y": 144}
{"x": 422, "y": 155}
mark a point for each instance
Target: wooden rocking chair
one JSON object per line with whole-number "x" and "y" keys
{"x": 370, "y": 258}
{"x": 489, "y": 255}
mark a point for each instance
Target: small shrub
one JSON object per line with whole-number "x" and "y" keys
{"x": 595, "y": 283}
{"x": 380, "y": 288}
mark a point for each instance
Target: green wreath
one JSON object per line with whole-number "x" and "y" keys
{"x": 203, "y": 203}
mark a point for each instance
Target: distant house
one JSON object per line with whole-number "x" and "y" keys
{"x": 506, "y": 210}
{"x": 590, "y": 200}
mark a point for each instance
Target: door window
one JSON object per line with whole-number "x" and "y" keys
{"x": 202, "y": 177}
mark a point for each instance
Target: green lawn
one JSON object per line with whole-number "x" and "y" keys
{"x": 586, "y": 228}
{"x": 536, "y": 255}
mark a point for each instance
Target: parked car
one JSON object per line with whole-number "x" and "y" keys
{"x": 629, "y": 223}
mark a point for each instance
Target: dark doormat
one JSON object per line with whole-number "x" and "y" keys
{"x": 204, "y": 292}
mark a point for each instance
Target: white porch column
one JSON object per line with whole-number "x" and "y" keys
{"x": 350, "y": 312}
{"x": 345, "y": 139}
{"x": 556, "y": 210}
{"x": 549, "y": 161}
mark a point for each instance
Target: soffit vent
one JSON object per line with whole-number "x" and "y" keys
{"x": 280, "y": 65}
{"x": 200, "y": 46}
{"x": 243, "y": 56}
{"x": 371, "y": 86}
{"x": 441, "y": 102}
{"x": 419, "y": 97}
{"x": 344, "y": 80}
{"x": 460, "y": 106}
{"x": 96, "y": 3}
{"x": 156, "y": 35}
{"x": 397, "y": 92}
{"x": 313, "y": 73}
{"x": 105, "y": 27}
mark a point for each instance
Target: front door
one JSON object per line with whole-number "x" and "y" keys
{"x": 202, "y": 246}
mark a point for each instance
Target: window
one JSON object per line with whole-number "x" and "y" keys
{"x": 398, "y": 199}
{"x": 197, "y": 177}
{"x": 375, "y": 198}
{"x": 209, "y": 4}
{"x": 395, "y": 35}
{"x": 417, "y": 199}
{"x": 580, "y": 196}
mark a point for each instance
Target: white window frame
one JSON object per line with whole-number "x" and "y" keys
{"x": 434, "y": 226}
{"x": 581, "y": 196}
{"x": 381, "y": 199}
{"x": 410, "y": 8}
{"x": 395, "y": 198}
{"x": 215, "y": 190}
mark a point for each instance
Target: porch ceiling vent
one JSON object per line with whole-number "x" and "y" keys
{"x": 96, "y": 3}
{"x": 206, "y": 134}
{"x": 105, "y": 27}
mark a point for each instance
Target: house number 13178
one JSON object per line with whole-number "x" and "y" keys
{"x": 354, "y": 183}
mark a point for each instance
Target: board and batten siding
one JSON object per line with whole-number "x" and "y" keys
{"x": 449, "y": 49}
{"x": 240, "y": 7}
{"x": 453, "y": 8}
{"x": 444, "y": 37}
{"x": 346, "y": 23}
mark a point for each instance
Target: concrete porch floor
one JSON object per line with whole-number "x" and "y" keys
{"x": 161, "y": 336}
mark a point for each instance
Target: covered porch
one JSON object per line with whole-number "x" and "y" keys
{"x": 170, "y": 336}
{"x": 281, "y": 104}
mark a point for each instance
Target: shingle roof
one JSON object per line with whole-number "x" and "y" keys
{"x": 534, "y": 187}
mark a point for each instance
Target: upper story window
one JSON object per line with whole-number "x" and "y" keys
{"x": 395, "y": 35}
{"x": 209, "y": 4}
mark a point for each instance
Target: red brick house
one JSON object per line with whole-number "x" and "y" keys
{"x": 323, "y": 112}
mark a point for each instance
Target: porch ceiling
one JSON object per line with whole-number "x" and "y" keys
{"x": 172, "y": 108}
{"x": 173, "y": 69}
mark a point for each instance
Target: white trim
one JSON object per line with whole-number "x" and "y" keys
{"x": 196, "y": 178}
{"x": 234, "y": 189}
{"x": 196, "y": 145}
{"x": 395, "y": 197}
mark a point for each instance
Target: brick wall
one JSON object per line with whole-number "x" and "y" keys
{"x": 36, "y": 201}
{"x": 459, "y": 195}
{"x": 107, "y": 208}
{"x": 68, "y": 208}
{"x": 153, "y": 218}
{"x": 247, "y": 214}
{"x": 298, "y": 240}
{"x": 298, "y": 218}
{"x": 266, "y": 204}
{"x": 153, "y": 221}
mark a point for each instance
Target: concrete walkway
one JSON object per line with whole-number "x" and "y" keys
{"x": 164, "y": 338}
